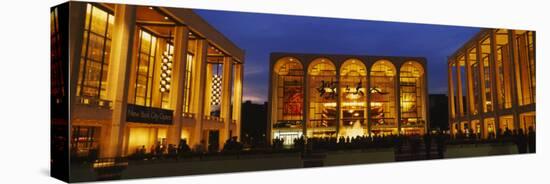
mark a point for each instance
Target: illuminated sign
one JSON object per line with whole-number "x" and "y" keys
{"x": 142, "y": 114}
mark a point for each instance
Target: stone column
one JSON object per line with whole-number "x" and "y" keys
{"x": 459, "y": 89}
{"x": 181, "y": 35}
{"x": 494, "y": 86}
{"x": 77, "y": 16}
{"x": 119, "y": 72}
{"x": 397, "y": 95}
{"x": 368, "y": 93}
{"x": 450, "y": 96}
{"x": 482, "y": 99}
{"x": 513, "y": 78}
{"x": 305, "y": 106}
{"x": 198, "y": 89}
{"x": 338, "y": 102}
{"x": 226, "y": 98}
{"x": 237, "y": 98}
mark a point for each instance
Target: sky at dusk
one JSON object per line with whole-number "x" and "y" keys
{"x": 261, "y": 34}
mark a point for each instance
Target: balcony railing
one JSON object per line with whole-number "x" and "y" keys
{"x": 94, "y": 102}
{"x": 188, "y": 115}
{"x": 214, "y": 118}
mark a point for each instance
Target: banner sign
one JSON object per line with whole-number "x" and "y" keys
{"x": 142, "y": 114}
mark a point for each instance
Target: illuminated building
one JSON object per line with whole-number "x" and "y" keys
{"x": 492, "y": 84}
{"x": 142, "y": 75}
{"x": 320, "y": 95}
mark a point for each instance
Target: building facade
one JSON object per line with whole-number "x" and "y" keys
{"x": 318, "y": 95}
{"x": 141, "y": 76}
{"x": 492, "y": 84}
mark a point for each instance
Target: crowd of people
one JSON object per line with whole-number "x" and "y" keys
{"x": 162, "y": 151}
{"x": 525, "y": 142}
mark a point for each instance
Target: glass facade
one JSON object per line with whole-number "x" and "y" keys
{"x": 383, "y": 112}
{"x": 412, "y": 94}
{"x": 503, "y": 63}
{"x": 144, "y": 80}
{"x": 346, "y": 97}
{"x": 485, "y": 49}
{"x": 288, "y": 88}
{"x": 94, "y": 61}
{"x": 188, "y": 76}
{"x": 353, "y": 96}
{"x": 322, "y": 98}
{"x": 500, "y": 84}
{"x": 475, "y": 81}
{"x": 145, "y": 68}
{"x": 525, "y": 71}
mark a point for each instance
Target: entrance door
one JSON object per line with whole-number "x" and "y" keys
{"x": 213, "y": 140}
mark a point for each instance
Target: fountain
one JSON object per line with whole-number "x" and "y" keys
{"x": 355, "y": 130}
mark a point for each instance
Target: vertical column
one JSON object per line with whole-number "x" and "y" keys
{"x": 226, "y": 97}
{"x": 469, "y": 83}
{"x": 494, "y": 81}
{"x": 513, "y": 57}
{"x": 198, "y": 89}
{"x": 450, "y": 96}
{"x": 237, "y": 98}
{"x": 121, "y": 62}
{"x": 481, "y": 104}
{"x": 397, "y": 89}
{"x": 459, "y": 89}
{"x": 368, "y": 100}
{"x": 181, "y": 35}
{"x": 77, "y": 16}
{"x": 305, "y": 106}
{"x": 338, "y": 101}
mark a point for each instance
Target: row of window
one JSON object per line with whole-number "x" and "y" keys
{"x": 152, "y": 79}
{"x": 323, "y": 94}
{"x": 471, "y": 73}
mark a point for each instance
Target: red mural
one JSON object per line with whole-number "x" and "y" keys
{"x": 293, "y": 98}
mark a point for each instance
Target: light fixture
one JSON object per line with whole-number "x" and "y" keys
{"x": 165, "y": 18}
{"x": 166, "y": 70}
{"x": 150, "y": 7}
{"x": 216, "y": 90}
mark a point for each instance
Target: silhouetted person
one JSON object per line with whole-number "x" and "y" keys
{"x": 507, "y": 132}
{"x": 140, "y": 152}
{"x": 93, "y": 153}
{"x": 183, "y": 147}
{"x": 172, "y": 151}
{"x": 521, "y": 141}
{"x": 428, "y": 144}
{"x": 158, "y": 149}
{"x": 200, "y": 148}
{"x": 440, "y": 141}
{"x": 531, "y": 140}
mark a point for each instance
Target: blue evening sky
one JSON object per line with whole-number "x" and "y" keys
{"x": 261, "y": 34}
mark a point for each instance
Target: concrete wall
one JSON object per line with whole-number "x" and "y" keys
{"x": 359, "y": 157}
{"x": 477, "y": 150}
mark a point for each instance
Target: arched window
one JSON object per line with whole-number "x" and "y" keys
{"x": 412, "y": 98}
{"x": 353, "y": 98}
{"x": 322, "y": 98}
{"x": 288, "y": 98}
{"x": 382, "y": 112}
